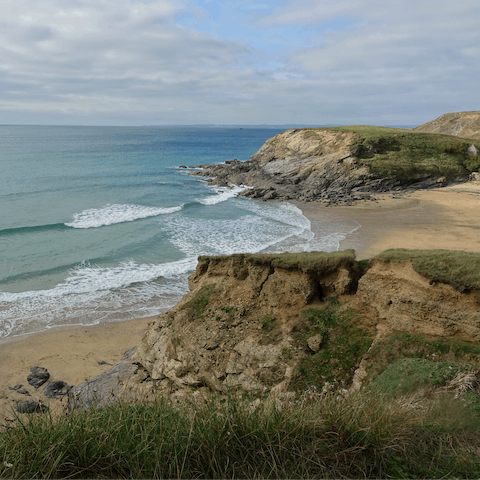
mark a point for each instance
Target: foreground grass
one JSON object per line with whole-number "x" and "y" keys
{"x": 361, "y": 436}
{"x": 457, "y": 268}
{"x": 395, "y": 151}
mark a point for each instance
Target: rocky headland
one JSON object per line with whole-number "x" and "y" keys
{"x": 347, "y": 164}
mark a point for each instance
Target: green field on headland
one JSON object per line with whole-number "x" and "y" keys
{"x": 403, "y": 153}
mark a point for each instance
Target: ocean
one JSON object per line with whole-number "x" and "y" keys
{"x": 99, "y": 224}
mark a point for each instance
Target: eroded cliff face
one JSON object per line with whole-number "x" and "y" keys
{"x": 460, "y": 124}
{"x": 233, "y": 329}
{"x": 400, "y": 299}
{"x": 238, "y": 327}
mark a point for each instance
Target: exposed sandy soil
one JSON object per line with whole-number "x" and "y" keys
{"x": 445, "y": 218}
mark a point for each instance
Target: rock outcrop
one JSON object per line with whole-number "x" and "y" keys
{"x": 460, "y": 124}
{"x": 240, "y": 326}
{"x": 312, "y": 164}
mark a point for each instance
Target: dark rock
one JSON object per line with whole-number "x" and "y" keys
{"x": 103, "y": 362}
{"x": 38, "y": 376}
{"x": 23, "y": 391}
{"x": 182, "y": 166}
{"x": 56, "y": 389}
{"x": 30, "y": 407}
{"x": 16, "y": 387}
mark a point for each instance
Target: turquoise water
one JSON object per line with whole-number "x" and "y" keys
{"x": 99, "y": 223}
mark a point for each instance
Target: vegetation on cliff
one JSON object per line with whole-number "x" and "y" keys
{"x": 405, "y": 153}
{"x": 457, "y": 268}
{"x": 318, "y": 262}
{"x": 343, "y": 345}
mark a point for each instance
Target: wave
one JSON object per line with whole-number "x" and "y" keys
{"x": 253, "y": 232}
{"x": 91, "y": 294}
{"x": 222, "y": 194}
{"x": 111, "y": 214}
{"x": 87, "y": 278}
{"x": 35, "y": 228}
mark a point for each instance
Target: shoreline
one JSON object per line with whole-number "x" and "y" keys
{"x": 445, "y": 218}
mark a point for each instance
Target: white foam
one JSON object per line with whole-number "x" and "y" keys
{"x": 281, "y": 212}
{"x": 267, "y": 227}
{"x": 111, "y": 214}
{"x": 86, "y": 278}
{"x": 93, "y": 293}
{"x": 222, "y": 194}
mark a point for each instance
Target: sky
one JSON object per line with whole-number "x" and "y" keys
{"x": 158, "y": 62}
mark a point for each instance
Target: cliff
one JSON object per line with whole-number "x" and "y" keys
{"x": 275, "y": 323}
{"x": 346, "y": 164}
{"x": 460, "y": 124}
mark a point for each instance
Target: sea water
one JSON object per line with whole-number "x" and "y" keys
{"x": 100, "y": 223}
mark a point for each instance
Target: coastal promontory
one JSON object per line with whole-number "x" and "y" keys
{"x": 348, "y": 164}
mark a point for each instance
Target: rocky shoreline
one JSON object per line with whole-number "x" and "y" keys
{"x": 313, "y": 165}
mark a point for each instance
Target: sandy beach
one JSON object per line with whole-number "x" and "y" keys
{"x": 69, "y": 354}
{"x": 446, "y": 218}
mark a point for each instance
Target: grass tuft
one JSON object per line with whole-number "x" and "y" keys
{"x": 316, "y": 262}
{"x": 457, "y": 268}
{"x": 200, "y": 302}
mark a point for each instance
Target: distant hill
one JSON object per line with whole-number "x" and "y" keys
{"x": 460, "y": 124}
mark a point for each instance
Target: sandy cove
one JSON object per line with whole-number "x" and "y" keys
{"x": 447, "y": 218}
{"x": 444, "y": 218}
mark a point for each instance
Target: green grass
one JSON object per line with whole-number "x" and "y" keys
{"x": 200, "y": 302}
{"x": 361, "y": 436}
{"x": 395, "y": 151}
{"x": 401, "y": 346}
{"x": 457, "y": 268}
{"x": 344, "y": 344}
{"x": 317, "y": 262}
{"x": 408, "y": 375}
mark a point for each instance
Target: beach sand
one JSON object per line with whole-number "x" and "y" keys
{"x": 444, "y": 218}
{"x": 69, "y": 354}
{"x": 447, "y": 218}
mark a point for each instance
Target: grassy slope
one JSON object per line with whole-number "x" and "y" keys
{"x": 404, "y": 153}
{"x": 457, "y": 268}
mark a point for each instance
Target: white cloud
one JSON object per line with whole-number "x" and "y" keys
{"x": 122, "y": 62}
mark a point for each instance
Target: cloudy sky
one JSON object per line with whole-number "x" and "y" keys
{"x": 158, "y": 62}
